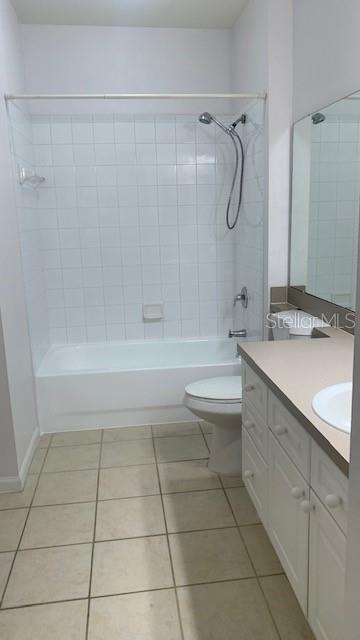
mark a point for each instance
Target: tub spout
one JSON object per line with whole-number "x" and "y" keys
{"x": 241, "y": 333}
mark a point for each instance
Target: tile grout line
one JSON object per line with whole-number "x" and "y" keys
{"x": 152, "y": 535}
{"x": 125, "y": 593}
{"x": 168, "y": 542}
{"x": 94, "y": 537}
{"x": 25, "y": 523}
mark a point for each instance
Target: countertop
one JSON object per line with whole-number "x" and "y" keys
{"x": 296, "y": 370}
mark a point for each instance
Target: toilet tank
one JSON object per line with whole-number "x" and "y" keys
{"x": 294, "y": 324}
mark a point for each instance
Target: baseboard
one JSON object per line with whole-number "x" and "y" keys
{"x": 29, "y": 456}
{"x": 10, "y": 483}
{"x": 16, "y": 483}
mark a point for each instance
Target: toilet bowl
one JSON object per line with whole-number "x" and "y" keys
{"x": 218, "y": 400}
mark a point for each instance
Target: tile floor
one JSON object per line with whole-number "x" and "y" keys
{"x": 125, "y": 534}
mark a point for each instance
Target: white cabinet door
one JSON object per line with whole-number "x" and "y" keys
{"x": 255, "y": 476}
{"x": 326, "y": 574}
{"x": 288, "y": 523}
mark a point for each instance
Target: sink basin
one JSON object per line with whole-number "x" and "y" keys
{"x": 333, "y": 405}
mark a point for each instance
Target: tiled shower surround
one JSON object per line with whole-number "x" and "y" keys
{"x": 334, "y": 208}
{"x": 132, "y": 212}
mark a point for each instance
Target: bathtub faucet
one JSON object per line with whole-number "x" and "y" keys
{"x": 241, "y": 333}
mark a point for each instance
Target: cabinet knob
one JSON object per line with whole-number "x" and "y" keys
{"x": 280, "y": 430}
{"x": 297, "y": 493}
{"x": 248, "y": 474}
{"x": 332, "y": 501}
{"x": 248, "y": 424}
{"x": 249, "y": 387}
{"x": 306, "y": 506}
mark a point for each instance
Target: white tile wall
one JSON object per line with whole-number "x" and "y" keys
{"x": 250, "y": 239}
{"x": 30, "y": 218}
{"x": 132, "y": 212}
{"x": 334, "y": 209}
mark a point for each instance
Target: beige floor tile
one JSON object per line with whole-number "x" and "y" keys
{"x": 206, "y": 427}
{"x": 137, "y": 616}
{"x": 70, "y": 438}
{"x": 72, "y": 458}
{"x": 129, "y": 518}
{"x": 261, "y": 550}
{"x": 207, "y": 556}
{"x": 11, "y": 527}
{"x": 232, "y": 481}
{"x": 176, "y": 429}
{"x": 46, "y": 575}
{"x": 37, "y": 461}
{"x": 244, "y": 510}
{"x": 64, "y": 620}
{"x": 19, "y": 499}
{"x": 44, "y": 441}
{"x": 285, "y": 609}
{"x": 225, "y": 611}
{"x": 66, "y": 487}
{"x": 59, "y": 525}
{"x": 132, "y": 452}
{"x": 187, "y": 476}
{"x": 197, "y": 510}
{"x": 127, "y": 433}
{"x": 123, "y": 566}
{"x": 5, "y": 566}
{"x": 178, "y": 448}
{"x": 128, "y": 482}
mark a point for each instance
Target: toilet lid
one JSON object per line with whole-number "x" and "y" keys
{"x": 224, "y": 388}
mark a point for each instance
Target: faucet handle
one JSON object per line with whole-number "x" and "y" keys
{"x": 242, "y": 297}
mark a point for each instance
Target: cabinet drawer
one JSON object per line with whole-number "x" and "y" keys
{"x": 330, "y": 485}
{"x": 254, "y": 390}
{"x": 288, "y": 521}
{"x": 291, "y": 435}
{"x": 255, "y": 477}
{"x": 256, "y": 428}
{"x": 326, "y": 574}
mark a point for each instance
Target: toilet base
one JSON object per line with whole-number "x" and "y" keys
{"x": 225, "y": 450}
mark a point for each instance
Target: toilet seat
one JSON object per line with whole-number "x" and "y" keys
{"x": 224, "y": 390}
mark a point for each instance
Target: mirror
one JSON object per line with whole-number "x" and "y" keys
{"x": 325, "y": 202}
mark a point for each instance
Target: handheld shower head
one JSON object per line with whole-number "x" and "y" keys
{"x": 208, "y": 118}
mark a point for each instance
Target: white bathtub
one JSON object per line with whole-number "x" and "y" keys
{"x": 125, "y": 383}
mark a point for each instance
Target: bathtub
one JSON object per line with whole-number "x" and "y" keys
{"x": 125, "y": 383}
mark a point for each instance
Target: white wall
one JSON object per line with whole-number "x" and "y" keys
{"x": 249, "y": 48}
{"x": 65, "y": 59}
{"x": 12, "y": 295}
{"x": 326, "y": 51}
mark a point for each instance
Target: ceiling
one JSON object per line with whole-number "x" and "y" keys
{"x": 208, "y": 14}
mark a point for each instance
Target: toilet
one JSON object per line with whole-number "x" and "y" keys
{"x": 219, "y": 401}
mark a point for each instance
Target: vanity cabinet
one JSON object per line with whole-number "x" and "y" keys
{"x": 288, "y": 523}
{"x": 255, "y": 473}
{"x": 301, "y": 498}
{"x": 326, "y": 574}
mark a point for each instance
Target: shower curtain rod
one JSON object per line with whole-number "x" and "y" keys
{"x": 128, "y": 96}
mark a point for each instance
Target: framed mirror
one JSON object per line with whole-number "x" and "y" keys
{"x": 325, "y": 202}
